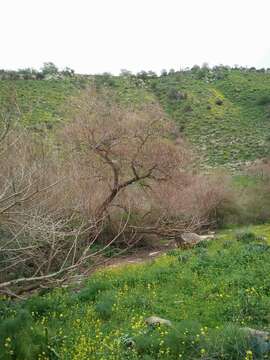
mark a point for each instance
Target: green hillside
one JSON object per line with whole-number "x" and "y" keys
{"x": 39, "y": 101}
{"x": 227, "y": 119}
{"x": 226, "y": 115}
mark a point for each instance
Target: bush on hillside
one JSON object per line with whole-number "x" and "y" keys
{"x": 219, "y": 102}
{"x": 263, "y": 100}
{"x": 174, "y": 94}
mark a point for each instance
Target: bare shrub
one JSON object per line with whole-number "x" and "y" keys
{"x": 135, "y": 160}
{"x": 42, "y": 235}
{"x": 194, "y": 202}
{"x": 210, "y": 196}
{"x": 255, "y": 195}
{"x": 259, "y": 169}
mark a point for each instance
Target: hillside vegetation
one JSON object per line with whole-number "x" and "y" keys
{"x": 227, "y": 119}
{"x": 93, "y": 167}
{"x": 225, "y": 114}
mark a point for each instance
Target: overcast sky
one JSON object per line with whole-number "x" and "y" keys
{"x": 94, "y": 36}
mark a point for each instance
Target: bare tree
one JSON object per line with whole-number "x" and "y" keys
{"x": 122, "y": 147}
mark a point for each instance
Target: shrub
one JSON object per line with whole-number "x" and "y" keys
{"x": 92, "y": 291}
{"x": 174, "y": 94}
{"x": 104, "y": 307}
{"x": 182, "y": 339}
{"x": 148, "y": 344}
{"x": 49, "y": 69}
{"x": 229, "y": 343}
{"x": 40, "y": 306}
{"x": 258, "y": 248}
{"x": 263, "y": 100}
{"x": 219, "y": 102}
{"x": 246, "y": 236}
{"x": 21, "y": 338}
{"x": 210, "y": 197}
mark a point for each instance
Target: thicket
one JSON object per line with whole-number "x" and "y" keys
{"x": 110, "y": 174}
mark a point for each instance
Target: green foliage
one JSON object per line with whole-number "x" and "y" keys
{"x": 104, "y": 308}
{"x": 21, "y": 338}
{"x": 49, "y": 68}
{"x": 227, "y": 343}
{"x": 92, "y": 291}
{"x": 148, "y": 344}
{"x": 263, "y": 100}
{"x": 40, "y": 306}
{"x": 246, "y": 236}
{"x": 183, "y": 338}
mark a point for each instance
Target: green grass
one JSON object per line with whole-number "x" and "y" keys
{"x": 208, "y": 293}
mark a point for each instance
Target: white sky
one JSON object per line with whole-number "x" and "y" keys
{"x": 94, "y": 36}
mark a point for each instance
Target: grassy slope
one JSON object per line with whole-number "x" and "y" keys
{"x": 199, "y": 290}
{"x": 42, "y": 102}
{"x": 237, "y": 130}
{"x": 39, "y": 101}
